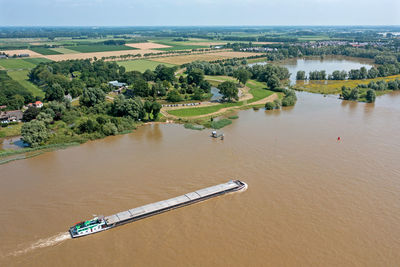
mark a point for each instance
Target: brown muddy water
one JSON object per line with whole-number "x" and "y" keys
{"x": 312, "y": 201}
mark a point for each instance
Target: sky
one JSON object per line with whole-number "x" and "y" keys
{"x": 198, "y": 12}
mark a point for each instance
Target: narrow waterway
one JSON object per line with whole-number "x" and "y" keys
{"x": 312, "y": 201}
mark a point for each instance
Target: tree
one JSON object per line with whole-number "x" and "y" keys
{"x": 91, "y": 97}
{"x": 30, "y": 114}
{"x": 273, "y": 82}
{"x": 34, "y": 133}
{"x": 301, "y": 75}
{"x": 174, "y": 96}
{"x": 229, "y": 91}
{"x": 141, "y": 88}
{"x": 148, "y": 106}
{"x": 370, "y": 96}
{"x": 242, "y": 75}
{"x": 270, "y": 105}
{"x": 156, "y": 109}
{"x": 55, "y": 92}
{"x": 195, "y": 75}
{"x": 133, "y": 108}
{"x": 149, "y": 75}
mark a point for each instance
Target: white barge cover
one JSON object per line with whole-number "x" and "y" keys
{"x": 169, "y": 203}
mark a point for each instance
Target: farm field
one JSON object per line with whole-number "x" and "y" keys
{"x": 171, "y": 46}
{"x": 335, "y": 87}
{"x": 16, "y": 63}
{"x": 44, "y": 51}
{"x": 97, "y": 54}
{"x": 141, "y": 65}
{"x": 62, "y": 50}
{"x": 148, "y": 45}
{"x": 19, "y": 63}
{"x": 179, "y": 60}
{"x": 99, "y": 48}
{"x": 21, "y": 76}
{"x": 21, "y": 51}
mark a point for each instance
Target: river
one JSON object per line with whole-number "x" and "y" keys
{"x": 312, "y": 201}
{"x": 328, "y": 63}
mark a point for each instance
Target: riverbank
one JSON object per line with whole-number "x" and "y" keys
{"x": 333, "y": 87}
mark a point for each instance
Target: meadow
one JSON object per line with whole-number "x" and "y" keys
{"x": 44, "y": 51}
{"x": 19, "y": 63}
{"x": 62, "y": 50}
{"x": 141, "y": 65}
{"x": 21, "y": 76}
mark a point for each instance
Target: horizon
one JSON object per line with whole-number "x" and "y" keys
{"x": 152, "y": 13}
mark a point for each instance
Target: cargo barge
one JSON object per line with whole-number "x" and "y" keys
{"x": 101, "y": 223}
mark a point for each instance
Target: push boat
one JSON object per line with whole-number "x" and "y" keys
{"x": 101, "y": 223}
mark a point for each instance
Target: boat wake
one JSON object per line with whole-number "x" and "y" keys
{"x": 43, "y": 243}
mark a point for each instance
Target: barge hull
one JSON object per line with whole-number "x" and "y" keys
{"x": 173, "y": 203}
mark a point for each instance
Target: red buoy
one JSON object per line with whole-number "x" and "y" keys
{"x": 338, "y": 138}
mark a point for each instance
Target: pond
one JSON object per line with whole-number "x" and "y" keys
{"x": 329, "y": 64}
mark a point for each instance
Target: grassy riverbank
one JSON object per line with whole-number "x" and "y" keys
{"x": 257, "y": 90}
{"x": 334, "y": 87}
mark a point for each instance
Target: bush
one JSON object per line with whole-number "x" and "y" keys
{"x": 269, "y": 105}
{"x": 174, "y": 96}
{"x": 220, "y": 123}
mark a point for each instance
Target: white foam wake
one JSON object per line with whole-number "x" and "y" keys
{"x": 42, "y": 243}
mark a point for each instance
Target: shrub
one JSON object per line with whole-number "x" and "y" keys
{"x": 269, "y": 105}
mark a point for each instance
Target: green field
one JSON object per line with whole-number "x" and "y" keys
{"x": 141, "y": 65}
{"x": 16, "y": 63}
{"x": 99, "y": 48}
{"x": 21, "y": 76}
{"x": 63, "y": 50}
{"x": 178, "y": 46}
{"x": 44, "y": 51}
{"x": 37, "y": 60}
{"x": 19, "y": 63}
{"x": 258, "y": 90}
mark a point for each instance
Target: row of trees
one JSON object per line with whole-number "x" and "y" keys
{"x": 354, "y": 74}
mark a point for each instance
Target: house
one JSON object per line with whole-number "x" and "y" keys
{"x": 117, "y": 84}
{"x": 12, "y": 115}
{"x": 38, "y": 104}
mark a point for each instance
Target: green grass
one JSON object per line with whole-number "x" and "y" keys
{"x": 258, "y": 90}
{"x": 44, "y": 51}
{"x": 10, "y": 130}
{"x": 63, "y": 50}
{"x": 141, "y": 65}
{"x": 193, "y": 126}
{"x": 178, "y": 46}
{"x": 37, "y": 60}
{"x": 16, "y": 63}
{"x": 99, "y": 48}
{"x": 334, "y": 87}
{"x": 220, "y": 123}
{"x": 234, "y": 117}
{"x": 190, "y": 112}
{"x": 21, "y": 76}
{"x": 19, "y": 63}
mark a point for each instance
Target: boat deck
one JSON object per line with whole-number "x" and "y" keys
{"x": 160, "y": 206}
